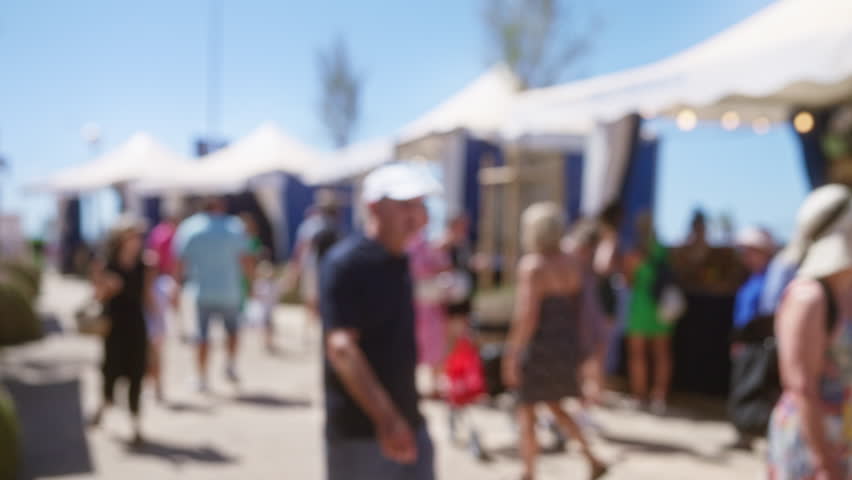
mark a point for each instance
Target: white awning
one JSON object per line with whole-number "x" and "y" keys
{"x": 137, "y": 158}
{"x": 794, "y": 53}
{"x": 480, "y": 108}
{"x": 266, "y": 150}
{"x": 350, "y": 162}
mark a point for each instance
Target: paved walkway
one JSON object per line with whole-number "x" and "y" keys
{"x": 270, "y": 428}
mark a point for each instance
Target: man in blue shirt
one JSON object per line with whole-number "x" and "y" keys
{"x": 756, "y": 248}
{"x": 213, "y": 255}
{"x": 374, "y": 428}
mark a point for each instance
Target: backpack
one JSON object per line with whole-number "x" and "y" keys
{"x": 323, "y": 239}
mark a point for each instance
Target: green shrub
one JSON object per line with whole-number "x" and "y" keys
{"x": 25, "y": 273}
{"x": 20, "y": 323}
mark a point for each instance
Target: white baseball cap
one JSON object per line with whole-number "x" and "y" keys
{"x": 399, "y": 181}
{"x": 756, "y": 237}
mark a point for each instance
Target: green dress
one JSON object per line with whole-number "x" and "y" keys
{"x": 643, "y": 320}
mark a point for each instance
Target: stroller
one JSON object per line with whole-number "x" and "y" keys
{"x": 465, "y": 386}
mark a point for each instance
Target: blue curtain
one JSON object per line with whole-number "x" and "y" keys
{"x": 474, "y": 152}
{"x": 297, "y": 198}
{"x": 573, "y": 185}
{"x": 71, "y": 238}
{"x": 246, "y": 202}
{"x": 640, "y": 187}
{"x": 151, "y": 210}
{"x": 815, "y": 162}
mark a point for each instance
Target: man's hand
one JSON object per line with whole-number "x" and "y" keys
{"x": 396, "y": 439}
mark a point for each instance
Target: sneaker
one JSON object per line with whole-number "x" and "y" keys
{"x": 201, "y": 386}
{"x": 587, "y": 424}
{"x": 658, "y": 408}
{"x": 231, "y": 374}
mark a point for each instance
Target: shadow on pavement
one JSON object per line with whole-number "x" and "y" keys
{"x": 179, "y": 454}
{"x": 52, "y": 428}
{"x": 271, "y": 401}
{"x": 186, "y": 407}
{"x": 650, "y": 446}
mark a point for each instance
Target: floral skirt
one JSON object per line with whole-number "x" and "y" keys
{"x": 790, "y": 457}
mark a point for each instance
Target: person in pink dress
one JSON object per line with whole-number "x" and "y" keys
{"x": 428, "y": 262}
{"x": 165, "y": 297}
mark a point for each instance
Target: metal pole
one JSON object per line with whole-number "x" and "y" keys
{"x": 214, "y": 68}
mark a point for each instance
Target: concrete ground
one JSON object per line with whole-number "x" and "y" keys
{"x": 270, "y": 427}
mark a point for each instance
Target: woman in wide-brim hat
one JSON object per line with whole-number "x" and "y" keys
{"x": 810, "y": 433}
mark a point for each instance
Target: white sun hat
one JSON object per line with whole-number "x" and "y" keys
{"x": 399, "y": 181}
{"x": 823, "y": 238}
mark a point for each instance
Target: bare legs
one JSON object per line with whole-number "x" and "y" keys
{"x": 155, "y": 367}
{"x": 529, "y": 444}
{"x": 638, "y": 367}
{"x": 661, "y": 349}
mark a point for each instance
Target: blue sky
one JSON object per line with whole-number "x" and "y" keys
{"x": 132, "y": 66}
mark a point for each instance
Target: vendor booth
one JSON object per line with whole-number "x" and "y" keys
{"x": 140, "y": 156}
{"x": 789, "y": 62}
{"x": 260, "y": 173}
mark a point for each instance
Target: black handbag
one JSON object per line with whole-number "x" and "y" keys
{"x": 755, "y": 386}
{"x": 755, "y": 377}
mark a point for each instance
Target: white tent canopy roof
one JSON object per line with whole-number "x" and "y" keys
{"x": 350, "y": 162}
{"x": 794, "y": 53}
{"x": 480, "y": 108}
{"x": 140, "y": 156}
{"x": 265, "y": 150}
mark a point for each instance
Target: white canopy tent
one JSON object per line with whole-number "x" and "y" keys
{"x": 265, "y": 150}
{"x": 479, "y": 108}
{"x": 138, "y": 158}
{"x": 478, "y": 111}
{"x": 350, "y": 162}
{"x": 792, "y": 54}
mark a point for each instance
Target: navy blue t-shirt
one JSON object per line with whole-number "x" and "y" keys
{"x": 366, "y": 288}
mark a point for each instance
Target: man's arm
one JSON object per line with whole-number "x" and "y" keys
{"x": 350, "y": 364}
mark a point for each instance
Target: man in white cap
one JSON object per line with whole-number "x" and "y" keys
{"x": 754, "y": 388}
{"x": 374, "y": 428}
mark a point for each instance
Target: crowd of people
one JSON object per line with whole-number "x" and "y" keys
{"x": 390, "y": 299}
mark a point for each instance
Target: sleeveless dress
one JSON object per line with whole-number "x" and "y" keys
{"x": 789, "y": 455}
{"x": 126, "y": 344}
{"x": 550, "y": 363}
{"x": 427, "y": 262}
{"x": 643, "y": 320}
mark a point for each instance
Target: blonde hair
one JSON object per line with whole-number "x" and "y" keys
{"x": 542, "y": 228}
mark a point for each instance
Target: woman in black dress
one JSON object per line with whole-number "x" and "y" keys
{"x": 123, "y": 283}
{"x": 544, "y": 349}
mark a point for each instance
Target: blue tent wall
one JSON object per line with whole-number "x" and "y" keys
{"x": 573, "y": 185}
{"x": 640, "y": 187}
{"x": 151, "y": 210}
{"x": 474, "y": 152}
{"x": 245, "y": 201}
{"x": 71, "y": 237}
{"x": 296, "y": 199}
{"x": 815, "y": 162}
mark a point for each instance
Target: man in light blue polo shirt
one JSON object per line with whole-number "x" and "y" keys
{"x": 213, "y": 253}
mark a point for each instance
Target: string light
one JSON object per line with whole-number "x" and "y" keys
{"x": 730, "y": 120}
{"x": 803, "y": 122}
{"x": 760, "y": 125}
{"x": 686, "y": 120}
